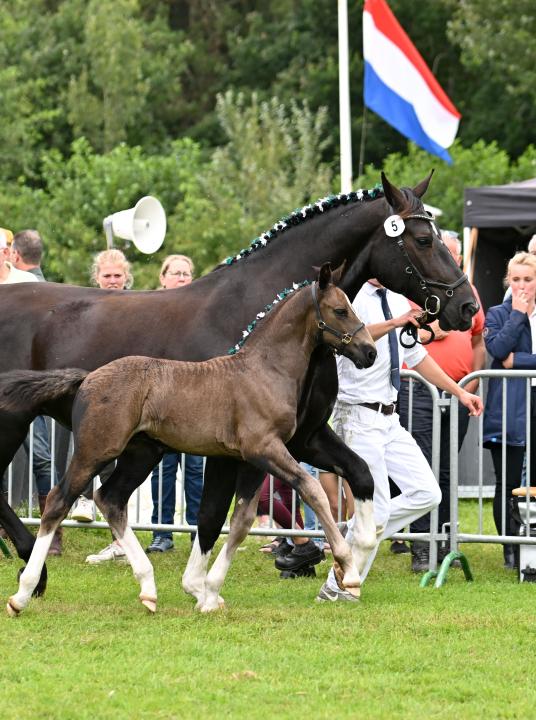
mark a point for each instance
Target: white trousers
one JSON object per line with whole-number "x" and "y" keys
{"x": 390, "y": 451}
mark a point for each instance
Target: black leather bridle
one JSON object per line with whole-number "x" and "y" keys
{"x": 345, "y": 338}
{"x": 432, "y": 303}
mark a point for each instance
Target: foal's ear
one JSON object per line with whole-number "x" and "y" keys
{"x": 422, "y": 187}
{"x": 324, "y": 276}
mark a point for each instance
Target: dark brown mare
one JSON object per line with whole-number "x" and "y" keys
{"x": 55, "y": 326}
{"x": 250, "y": 402}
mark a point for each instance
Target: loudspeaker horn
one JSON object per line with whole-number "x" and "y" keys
{"x": 144, "y": 224}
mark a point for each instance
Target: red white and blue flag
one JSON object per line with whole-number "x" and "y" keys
{"x": 399, "y": 85}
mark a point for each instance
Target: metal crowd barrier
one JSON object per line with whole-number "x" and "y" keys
{"x": 140, "y": 505}
{"x": 458, "y": 534}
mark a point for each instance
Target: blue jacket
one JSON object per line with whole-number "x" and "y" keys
{"x": 507, "y": 331}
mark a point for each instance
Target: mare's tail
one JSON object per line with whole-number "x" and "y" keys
{"x": 27, "y": 389}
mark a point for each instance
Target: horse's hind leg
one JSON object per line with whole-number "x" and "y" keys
{"x": 133, "y": 467}
{"x": 247, "y": 498}
{"x": 218, "y": 489}
{"x": 59, "y": 501}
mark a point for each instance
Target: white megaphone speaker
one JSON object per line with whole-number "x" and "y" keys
{"x": 144, "y": 224}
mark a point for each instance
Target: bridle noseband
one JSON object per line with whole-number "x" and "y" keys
{"x": 432, "y": 303}
{"x": 345, "y": 338}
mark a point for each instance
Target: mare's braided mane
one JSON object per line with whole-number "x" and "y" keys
{"x": 301, "y": 215}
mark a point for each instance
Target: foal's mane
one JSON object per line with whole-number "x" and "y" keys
{"x": 282, "y": 295}
{"x": 301, "y": 215}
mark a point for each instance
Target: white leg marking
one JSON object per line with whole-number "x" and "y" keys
{"x": 215, "y": 579}
{"x": 362, "y": 537}
{"x": 141, "y": 567}
{"x": 30, "y": 576}
{"x": 195, "y": 574}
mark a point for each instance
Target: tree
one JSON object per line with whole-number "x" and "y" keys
{"x": 269, "y": 166}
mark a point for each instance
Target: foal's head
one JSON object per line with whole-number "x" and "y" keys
{"x": 337, "y": 323}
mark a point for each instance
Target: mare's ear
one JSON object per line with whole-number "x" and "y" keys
{"x": 422, "y": 187}
{"x": 337, "y": 274}
{"x": 324, "y": 276}
{"x": 394, "y": 197}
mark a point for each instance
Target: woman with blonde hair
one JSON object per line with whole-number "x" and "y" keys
{"x": 176, "y": 271}
{"x": 510, "y": 337}
{"x": 111, "y": 270}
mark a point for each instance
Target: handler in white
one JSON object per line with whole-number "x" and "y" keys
{"x": 365, "y": 418}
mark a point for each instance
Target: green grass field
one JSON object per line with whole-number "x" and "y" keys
{"x": 90, "y": 650}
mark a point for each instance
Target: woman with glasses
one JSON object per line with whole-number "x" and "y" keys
{"x": 176, "y": 271}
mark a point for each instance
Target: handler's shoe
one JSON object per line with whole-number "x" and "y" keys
{"x": 326, "y": 594}
{"x": 420, "y": 557}
{"x": 113, "y": 551}
{"x": 301, "y": 556}
{"x": 84, "y": 510}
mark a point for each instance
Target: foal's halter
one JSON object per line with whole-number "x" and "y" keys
{"x": 432, "y": 303}
{"x": 345, "y": 338}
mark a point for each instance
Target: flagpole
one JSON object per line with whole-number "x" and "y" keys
{"x": 344, "y": 100}
{"x": 362, "y": 144}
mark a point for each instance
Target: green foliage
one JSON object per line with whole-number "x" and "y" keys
{"x": 82, "y": 190}
{"x": 269, "y": 166}
{"x": 481, "y": 164}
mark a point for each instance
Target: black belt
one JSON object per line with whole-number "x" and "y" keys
{"x": 384, "y": 409}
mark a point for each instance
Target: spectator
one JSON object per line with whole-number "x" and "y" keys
{"x": 365, "y": 418}
{"x": 458, "y": 354}
{"x": 110, "y": 271}
{"x": 510, "y": 335}
{"x": 531, "y": 248}
{"x": 24, "y": 266}
{"x": 176, "y": 271}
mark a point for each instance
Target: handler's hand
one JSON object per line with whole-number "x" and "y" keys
{"x": 472, "y": 402}
{"x": 508, "y": 362}
{"x": 409, "y": 317}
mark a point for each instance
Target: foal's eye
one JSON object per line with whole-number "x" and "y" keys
{"x": 341, "y": 312}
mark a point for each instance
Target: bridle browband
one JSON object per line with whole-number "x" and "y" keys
{"x": 429, "y": 311}
{"x": 345, "y": 338}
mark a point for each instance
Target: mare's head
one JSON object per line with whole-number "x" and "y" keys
{"x": 336, "y": 321}
{"x": 408, "y": 256}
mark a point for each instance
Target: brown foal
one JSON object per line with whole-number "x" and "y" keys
{"x": 242, "y": 405}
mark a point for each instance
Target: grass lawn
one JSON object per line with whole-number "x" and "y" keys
{"x": 90, "y": 650}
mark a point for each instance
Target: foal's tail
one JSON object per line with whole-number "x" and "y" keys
{"x": 27, "y": 389}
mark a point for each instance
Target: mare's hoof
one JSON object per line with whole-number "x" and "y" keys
{"x": 13, "y": 610}
{"x": 149, "y": 602}
{"x": 207, "y": 607}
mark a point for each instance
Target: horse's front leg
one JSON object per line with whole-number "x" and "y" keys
{"x": 325, "y": 450}
{"x": 13, "y": 429}
{"x": 279, "y": 462}
{"x": 219, "y": 486}
{"x": 247, "y": 499}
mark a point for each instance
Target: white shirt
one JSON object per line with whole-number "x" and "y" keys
{"x": 374, "y": 383}
{"x": 17, "y": 276}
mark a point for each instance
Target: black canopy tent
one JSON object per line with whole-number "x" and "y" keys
{"x": 498, "y": 221}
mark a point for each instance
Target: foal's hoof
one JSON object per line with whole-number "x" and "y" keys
{"x": 149, "y": 602}
{"x": 41, "y": 586}
{"x": 13, "y": 610}
{"x": 353, "y": 590}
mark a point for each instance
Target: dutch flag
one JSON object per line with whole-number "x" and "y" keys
{"x": 400, "y": 87}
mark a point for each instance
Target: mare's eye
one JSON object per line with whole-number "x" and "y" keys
{"x": 423, "y": 240}
{"x": 341, "y": 312}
